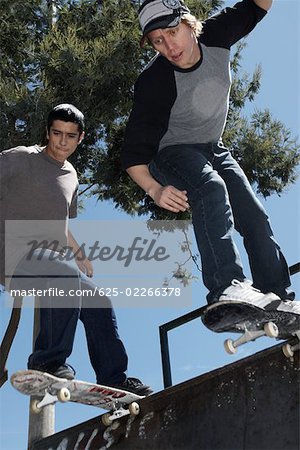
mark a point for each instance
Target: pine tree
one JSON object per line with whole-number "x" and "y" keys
{"x": 22, "y": 27}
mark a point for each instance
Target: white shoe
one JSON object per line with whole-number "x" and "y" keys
{"x": 243, "y": 291}
{"x": 288, "y": 306}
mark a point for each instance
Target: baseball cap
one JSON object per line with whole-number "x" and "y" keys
{"x": 154, "y": 14}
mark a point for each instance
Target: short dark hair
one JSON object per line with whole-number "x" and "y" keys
{"x": 67, "y": 113}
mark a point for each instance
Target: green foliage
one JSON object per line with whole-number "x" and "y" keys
{"x": 267, "y": 152}
{"x": 204, "y": 8}
{"x": 87, "y": 53}
{"x": 22, "y": 25}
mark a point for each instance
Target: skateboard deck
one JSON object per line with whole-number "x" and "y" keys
{"x": 49, "y": 389}
{"x": 252, "y": 322}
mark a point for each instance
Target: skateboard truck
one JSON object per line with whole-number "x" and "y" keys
{"x": 119, "y": 411}
{"x": 63, "y": 395}
{"x": 289, "y": 349}
{"x": 270, "y": 329}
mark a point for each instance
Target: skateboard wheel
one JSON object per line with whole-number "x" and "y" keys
{"x": 271, "y": 329}
{"x": 34, "y": 407}
{"x": 229, "y": 347}
{"x": 134, "y": 408}
{"x": 106, "y": 420}
{"x": 287, "y": 350}
{"x": 63, "y": 395}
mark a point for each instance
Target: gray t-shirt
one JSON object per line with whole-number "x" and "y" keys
{"x": 174, "y": 106}
{"x": 37, "y": 193}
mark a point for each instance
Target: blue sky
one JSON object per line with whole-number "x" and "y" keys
{"x": 194, "y": 350}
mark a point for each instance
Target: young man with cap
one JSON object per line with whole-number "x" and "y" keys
{"x": 173, "y": 148}
{"x": 39, "y": 194}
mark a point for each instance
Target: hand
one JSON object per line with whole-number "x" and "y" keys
{"x": 85, "y": 266}
{"x": 170, "y": 198}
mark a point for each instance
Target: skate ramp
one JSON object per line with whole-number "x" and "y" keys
{"x": 250, "y": 404}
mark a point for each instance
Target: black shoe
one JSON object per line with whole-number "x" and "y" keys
{"x": 135, "y": 386}
{"x": 62, "y": 371}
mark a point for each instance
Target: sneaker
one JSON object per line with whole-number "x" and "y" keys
{"x": 286, "y": 315}
{"x": 64, "y": 371}
{"x": 243, "y": 291}
{"x": 135, "y": 386}
{"x": 288, "y": 306}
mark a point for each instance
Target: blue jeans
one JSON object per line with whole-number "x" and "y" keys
{"x": 222, "y": 199}
{"x": 59, "y": 317}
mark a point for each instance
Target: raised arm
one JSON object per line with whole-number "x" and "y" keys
{"x": 264, "y": 4}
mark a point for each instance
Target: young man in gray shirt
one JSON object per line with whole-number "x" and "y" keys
{"x": 39, "y": 194}
{"x": 173, "y": 148}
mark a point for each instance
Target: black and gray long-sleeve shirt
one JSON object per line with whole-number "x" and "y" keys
{"x": 186, "y": 106}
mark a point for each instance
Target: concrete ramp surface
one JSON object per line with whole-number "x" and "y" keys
{"x": 250, "y": 404}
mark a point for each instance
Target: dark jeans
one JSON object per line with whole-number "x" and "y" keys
{"x": 221, "y": 198}
{"x": 59, "y": 316}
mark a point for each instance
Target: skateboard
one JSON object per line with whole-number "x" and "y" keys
{"x": 50, "y": 389}
{"x": 253, "y": 323}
